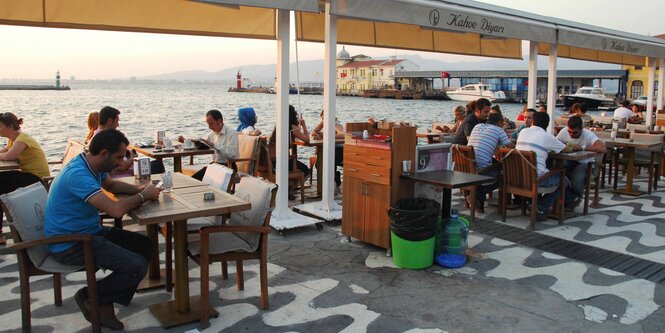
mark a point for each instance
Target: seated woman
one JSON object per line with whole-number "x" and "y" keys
{"x": 638, "y": 116}
{"x": 93, "y": 124}
{"x": 460, "y": 114}
{"x": 317, "y": 133}
{"x": 248, "y": 119}
{"x": 26, "y": 150}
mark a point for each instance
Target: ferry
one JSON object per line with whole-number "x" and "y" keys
{"x": 473, "y": 92}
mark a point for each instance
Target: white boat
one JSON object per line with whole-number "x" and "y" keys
{"x": 472, "y": 92}
{"x": 593, "y": 97}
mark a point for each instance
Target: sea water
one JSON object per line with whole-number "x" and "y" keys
{"x": 52, "y": 117}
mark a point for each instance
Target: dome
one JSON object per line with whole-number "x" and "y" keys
{"x": 343, "y": 55}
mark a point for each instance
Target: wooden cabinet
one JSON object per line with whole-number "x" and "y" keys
{"x": 372, "y": 183}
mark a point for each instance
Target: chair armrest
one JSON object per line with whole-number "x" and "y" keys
{"x": 233, "y": 228}
{"x": 44, "y": 241}
{"x": 549, "y": 174}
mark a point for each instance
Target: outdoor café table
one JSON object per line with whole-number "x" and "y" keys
{"x": 431, "y": 135}
{"x": 176, "y": 153}
{"x": 560, "y": 158}
{"x": 629, "y": 153}
{"x": 9, "y": 165}
{"x": 449, "y": 180}
{"x": 177, "y": 206}
{"x": 319, "y": 159}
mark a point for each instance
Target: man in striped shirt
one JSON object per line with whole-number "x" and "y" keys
{"x": 485, "y": 139}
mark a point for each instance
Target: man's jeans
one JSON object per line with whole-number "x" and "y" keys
{"x": 576, "y": 172}
{"x": 125, "y": 253}
{"x": 546, "y": 201}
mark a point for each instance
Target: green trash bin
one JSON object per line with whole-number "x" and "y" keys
{"x": 412, "y": 232}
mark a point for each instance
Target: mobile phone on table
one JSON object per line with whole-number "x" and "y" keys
{"x": 160, "y": 185}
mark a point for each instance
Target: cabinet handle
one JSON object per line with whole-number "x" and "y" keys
{"x": 375, "y": 174}
{"x": 352, "y": 169}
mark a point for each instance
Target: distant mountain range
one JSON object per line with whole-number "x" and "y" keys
{"x": 265, "y": 74}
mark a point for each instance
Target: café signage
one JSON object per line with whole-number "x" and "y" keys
{"x": 466, "y": 22}
{"x": 618, "y": 46}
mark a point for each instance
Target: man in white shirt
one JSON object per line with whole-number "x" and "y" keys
{"x": 579, "y": 138}
{"x": 623, "y": 111}
{"x": 222, "y": 139}
{"x": 536, "y": 139}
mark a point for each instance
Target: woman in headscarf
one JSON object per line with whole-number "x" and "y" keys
{"x": 247, "y": 118}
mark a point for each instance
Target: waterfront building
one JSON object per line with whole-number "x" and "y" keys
{"x": 360, "y": 72}
{"x": 638, "y": 82}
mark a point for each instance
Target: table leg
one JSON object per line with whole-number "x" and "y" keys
{"x": 155, "y": 277}
{"x": 319, "y": 171}
{"x": 177, "y": 163}
{"x": 630, "y": 174}
{"x": 445, "y": 204}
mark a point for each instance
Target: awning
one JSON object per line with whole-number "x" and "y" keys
{"x": 297, "y": 5}
{"x": 426, "y": 25}
{"x": 159, "y": 16}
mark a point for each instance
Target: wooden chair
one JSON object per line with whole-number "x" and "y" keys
{"x": 465, "y": 161}
{"x": 644, "y": 158}
{"x": 520, "y": 177}
{"x": 244, "y": 237}
{"x": 25, "y": 214}
{"x": 593, "y": 179}
{"x": 267, "y": 171}
{"x": 248, "y": 155}
{"x": 637, "y": 128}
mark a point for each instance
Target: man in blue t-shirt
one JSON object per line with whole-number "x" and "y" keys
{"x": 485, "y": 139}
{"x": 74, "y": 202}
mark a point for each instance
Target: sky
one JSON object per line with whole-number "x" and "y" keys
{"x": 36, "y": 53}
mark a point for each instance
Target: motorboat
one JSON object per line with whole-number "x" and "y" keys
{"x": 593, "y": 97}
{"x": 473, "y": 92}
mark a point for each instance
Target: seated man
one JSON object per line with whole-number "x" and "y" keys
{"x": 528, "y": 120}
{"x": 485, "y": 139}
{"x": 579, "y": 138}
{"x": 482, "y": 109}
{"x": 73, "y": 205}
{"x": 536, "y": 139}
{"x": 623, "y": 111}
{"x": 222, "y": 139}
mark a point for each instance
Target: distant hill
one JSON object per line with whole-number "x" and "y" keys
{"x": 265, "y": 74}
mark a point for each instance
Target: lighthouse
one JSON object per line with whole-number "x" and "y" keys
{"x": 238, "y": 81}
{"x": 57, "y": 79}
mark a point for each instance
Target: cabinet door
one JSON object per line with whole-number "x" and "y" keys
{"x": 353, "y": 203}
{"x": 377, "y": 222}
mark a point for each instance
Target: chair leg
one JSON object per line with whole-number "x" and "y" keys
{"x": 57, "y": 289}
{"x": 534, "y": 205}
{"x": 651, "y": 174}
{"x": 302, "y": 188}
{"x": 117, "y": 223}
{"x": 240, "y": 279}
{"x": 472, "y": 200}
{"x": 225, "y": 270}
{"x": 25, "y": 301}
{"x": 263, "y": 274}
{"x": 587, "y": 188}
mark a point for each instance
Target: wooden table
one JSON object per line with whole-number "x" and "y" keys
{"x": 177, "y": 206}
{"x": 629, "y": 153}
{"x": 318, "y": 144}
{"x": 449, "y": 180}
{"x": 9, "y": 165}
{"x": 176, "y": 153}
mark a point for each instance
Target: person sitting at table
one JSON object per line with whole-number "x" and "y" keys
{"x": 317, "y": 134}
{"x": 93, "y": 124}
{"x": 482, "y": 106}
{"x": 520, "y": 117}
{"x": 536, "y": 139}
{"x": 637, "y": 116}
{"x": 222, "y": 139}
{"x": 623, "y": 111}
{"x": 579, "y": 109}
{"x": 248, "y": 119}
{"x": 528, "y": 121}
{"x": 73, "y": 205}
{"x": 542, "y": 107}
{"x": 459, "y": 114}
{"x": 579, "y": 138}
{"x": 109, "y": 118}
{"x": 507, "y": 123}
{"x": 21, "y": 147}
{"x": 485, "y": 139}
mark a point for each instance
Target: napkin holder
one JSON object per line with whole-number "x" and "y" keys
{"x": 142, "y": 167}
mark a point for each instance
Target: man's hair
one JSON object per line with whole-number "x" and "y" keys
{"x": 494, "y": 118}
{"x": 541, "y": 119}
{"x": 496, "y": 108}
{"x": 482, "y": 102}
{"x": 110, "y": 139}
{"x": 215, "y": 114}
{"x": 532, "y": 110}
{"x": 575, "y": 122}
{"x": 625, "y": 103}
{"x": 107, "y": 113}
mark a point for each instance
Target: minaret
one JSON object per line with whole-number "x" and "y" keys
{"x": 57, "y": 79}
